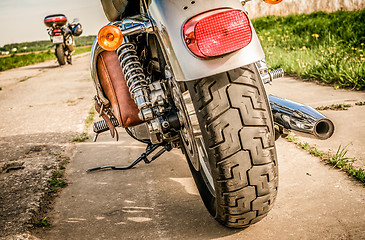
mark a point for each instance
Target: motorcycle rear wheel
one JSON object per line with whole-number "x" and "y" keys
{"x": 60, "y": 54}
{"x": 239, "y": 183}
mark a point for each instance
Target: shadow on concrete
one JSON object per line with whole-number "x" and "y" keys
{"x": 144, "y": 202}
{"x": 44, "y": 67}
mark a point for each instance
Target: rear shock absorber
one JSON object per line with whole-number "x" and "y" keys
{"x": 136, "y": 79}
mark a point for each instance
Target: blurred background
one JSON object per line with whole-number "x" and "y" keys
{"x": 322, "y": 40}
{"x": 286, "y": 7}
{"x": 22, "y": 20}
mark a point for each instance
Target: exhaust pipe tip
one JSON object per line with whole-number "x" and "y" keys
{"x": 324, "y": 129}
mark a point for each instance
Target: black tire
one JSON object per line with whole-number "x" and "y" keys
{"x": 237, "y": 131}
{"x": 60, "y": 54}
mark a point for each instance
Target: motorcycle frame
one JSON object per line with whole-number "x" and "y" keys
{"x": 165, "y": 19}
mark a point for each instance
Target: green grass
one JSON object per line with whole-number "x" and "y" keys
{"x": 15, "y": 61}
{"x": 81, "y": 138}
{"x": 56, "y": 181}
{"x": 88, "y": 121}
{"x": 44, "y": 44}
{"x": 337, "y": 160}
{"x": 328, "y": 47}
{"x": 335, "y": 107}
{"x": 82, "y": 50}
{"x": 339, "y": 107}
{"x": 42, "y": 223}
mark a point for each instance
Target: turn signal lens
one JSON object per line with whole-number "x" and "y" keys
{"x": 110, "y": 37}
{"x": 272, "y": 1}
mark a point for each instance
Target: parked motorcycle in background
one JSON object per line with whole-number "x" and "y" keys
{"x": 62, "y": 36}
{"x": 190, "y": 75}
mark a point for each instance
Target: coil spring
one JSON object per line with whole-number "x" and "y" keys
{"x": 131, "y": 67}
{"x": 101, "y": 126}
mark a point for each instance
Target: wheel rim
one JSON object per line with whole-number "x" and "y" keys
{"x": 193, "y": 142}
{"x": 204, "y": 164}
{"x": 191, "y": 134}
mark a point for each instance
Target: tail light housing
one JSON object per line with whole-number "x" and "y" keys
{"x": 218, "y": 32}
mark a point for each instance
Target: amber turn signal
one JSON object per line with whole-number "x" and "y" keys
{"x": 110, "y": 37}
{"x": 272, "y": 1}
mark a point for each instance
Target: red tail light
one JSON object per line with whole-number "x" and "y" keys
{"x": 55, "y": 19}
{"x": 57, "y": 31}
{"x": 217, "y": 32}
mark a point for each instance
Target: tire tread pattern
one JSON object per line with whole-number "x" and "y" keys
{"x": 236, "y": 122}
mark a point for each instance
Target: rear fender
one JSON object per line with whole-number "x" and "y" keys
{"x": 168, "y": 19}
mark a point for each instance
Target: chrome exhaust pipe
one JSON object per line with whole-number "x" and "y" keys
{"x": 298, "y": 117}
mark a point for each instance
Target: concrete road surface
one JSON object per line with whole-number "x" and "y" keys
{"x": 160, "y": 201}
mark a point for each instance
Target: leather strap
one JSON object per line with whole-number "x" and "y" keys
{"x": 104, "y": 114}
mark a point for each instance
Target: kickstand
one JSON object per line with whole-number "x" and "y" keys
{"x": 149, "y": 149}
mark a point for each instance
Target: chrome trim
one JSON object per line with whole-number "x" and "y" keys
{"x": 263, "y": 71}
{"x": 95, "y": 51}
{"x": 138, "y": 26}
{"x": 295, "y": 116}
{"x": 275, "y": 74}
{"x": 266, "y": 76}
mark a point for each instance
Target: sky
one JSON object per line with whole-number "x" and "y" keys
{"x": 22, "y": 20}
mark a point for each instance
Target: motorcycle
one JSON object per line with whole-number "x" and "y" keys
{"x": 61, "y": 34}
{"x": 190, "y": 75}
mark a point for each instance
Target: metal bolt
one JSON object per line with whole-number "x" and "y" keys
{"x": 165, "y": 124}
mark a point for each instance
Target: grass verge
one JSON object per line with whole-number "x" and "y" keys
{"x": 85, "y": 134}
{"x": 15, "y": 61}
{"x": 328, "y": 47}
{"x": 42, "y": 223}
{"x": 57, "y": 181}
{"x": 339, "y": 107}
{"x": 335, "y": 107}
{"x": 337, "y": 160}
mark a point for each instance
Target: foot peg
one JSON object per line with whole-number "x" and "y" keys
{"x": 278, "y": 73}
{"x": 101, "y": 126}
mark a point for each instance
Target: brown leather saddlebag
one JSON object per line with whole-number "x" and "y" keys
{"x": 115, "y": 89}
